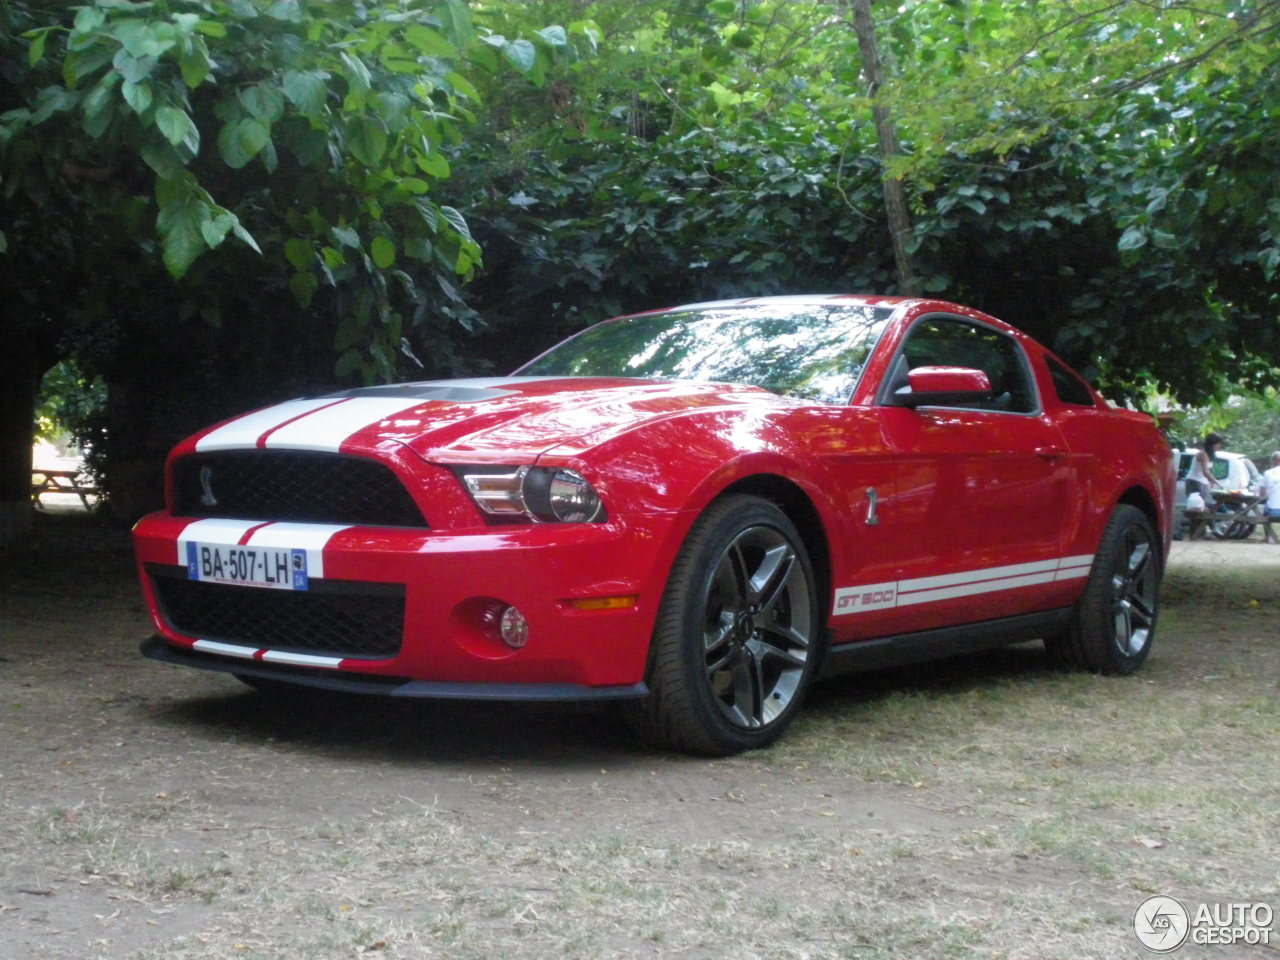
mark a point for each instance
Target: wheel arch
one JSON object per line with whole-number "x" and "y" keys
{"x": 1140, "y": 497}
{"x": 792, "y": 500}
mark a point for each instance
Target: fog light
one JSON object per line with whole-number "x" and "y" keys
{"x": 513, "y": 628}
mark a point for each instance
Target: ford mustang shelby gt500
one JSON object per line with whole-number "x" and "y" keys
{"x": 693, "y": 511}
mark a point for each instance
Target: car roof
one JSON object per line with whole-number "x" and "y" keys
{"x": 798, "y": 299}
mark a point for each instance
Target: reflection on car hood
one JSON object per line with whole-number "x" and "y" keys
{"x": 512, "y": 419}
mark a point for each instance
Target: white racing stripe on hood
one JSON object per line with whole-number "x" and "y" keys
{"x": 245, "y": 431}
{"x": 327, "y": 430}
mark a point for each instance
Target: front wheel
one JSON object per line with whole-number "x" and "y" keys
{"x": 1114, "y": 621}
{"x": 737, "y": 640}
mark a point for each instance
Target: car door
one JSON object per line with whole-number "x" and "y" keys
{"x": 984, "y": 488}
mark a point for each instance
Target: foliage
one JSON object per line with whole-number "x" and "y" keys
{"x": 1098, "y": 173}
{"x": 68, "y": 402}
{"x": 1250, "y": 421}
{"x": 313, "y": 132}
{"x": 218, "y": 202}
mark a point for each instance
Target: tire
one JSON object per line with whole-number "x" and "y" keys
{"x": 1114, "y": 622}
{"x": 738, "y": 638}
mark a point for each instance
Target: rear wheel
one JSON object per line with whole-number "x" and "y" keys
{"x": 1115, "y": 620}
{"x": 737, "y": 640}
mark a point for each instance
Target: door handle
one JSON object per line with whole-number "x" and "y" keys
{"x": 1050, "y": 453}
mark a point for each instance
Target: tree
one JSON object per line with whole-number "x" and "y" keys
{"x": 216, "y": 167}
{"x": 895, "y": 198}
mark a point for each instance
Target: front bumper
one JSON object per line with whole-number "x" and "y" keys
{"x": 450, "y": 584}
{"x": 159, "y": 648}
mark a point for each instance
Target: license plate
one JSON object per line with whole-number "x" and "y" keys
{"x": 279, "y": 569}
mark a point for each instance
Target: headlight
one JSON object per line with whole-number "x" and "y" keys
{"x": 545, "y": 494}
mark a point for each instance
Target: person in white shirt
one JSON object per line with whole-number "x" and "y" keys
{"x": 1271, "y": 487}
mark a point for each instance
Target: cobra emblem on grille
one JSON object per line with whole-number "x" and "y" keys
{"x": 206, "y": 486}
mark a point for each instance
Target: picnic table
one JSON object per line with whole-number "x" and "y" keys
{"x": 1233, "y": 516}
{"x": 65, "y": 477}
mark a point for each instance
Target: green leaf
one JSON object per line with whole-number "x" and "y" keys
{"x": 240, "y": 140}
{"x": 383, "y": 251}
{"x": 178, "y": 223}
{"x": 4, "y": 243}
{"x": 434, "y": 164}
{"x": 555, "y": 36}
{"x": 35, "y": 53}
{"x": 98, "y": 105}
{"x": 367, "y": 140}
{"x": 358, "y": 77}
{"x": 287, "y": 11}
{"x": 431, "y": 42}
{"x": 521, "y": 54}
{"x": 346, "y": 236}
{"x": 306, "y": 90}
{"x": 88, "y": 19}
{"x": 193, "y": 59}
{"x": 137, "y": 95}
{"x": 455, "y": 18}
{"x": 298, "y": 252}
{"x": 133, "y": 69}
{"x": 461, "y": 85}
{"x": 394, "y": 109}
{"x": 214, "y": 229}
{"x": 81, "y": 63}
{"x": 457, "y": 220}
{"x": 263, "y": 100}
{"x": 1133, "y": 238}
{"x": 212, "y": 28}
{"x": 1269, "y": 261}
{"x": 178, "y": 128}
{"x": 303, "y": 286}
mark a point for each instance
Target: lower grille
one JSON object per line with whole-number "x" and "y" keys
{"x": 333, "y": 618}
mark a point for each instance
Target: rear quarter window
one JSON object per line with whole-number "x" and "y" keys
{"x": 1069, "y": 387}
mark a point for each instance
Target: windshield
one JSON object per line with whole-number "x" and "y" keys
{"x": 809, "y": 351}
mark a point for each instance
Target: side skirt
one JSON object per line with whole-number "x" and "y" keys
{"x": 907, "y": 648}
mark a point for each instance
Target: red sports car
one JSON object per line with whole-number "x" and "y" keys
{"x": 694, "y": 512}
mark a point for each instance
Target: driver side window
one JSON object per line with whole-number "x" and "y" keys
{"x": 950, "y": 342}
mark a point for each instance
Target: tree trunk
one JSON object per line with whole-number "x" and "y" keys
{"x": 23, "y": 363}
{"x": 895, "y": 200}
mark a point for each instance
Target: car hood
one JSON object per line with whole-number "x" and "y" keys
{"x": 513, "y": 419}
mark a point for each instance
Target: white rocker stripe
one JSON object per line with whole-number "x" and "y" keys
{"x": 326, "y": 430}
{"x": 970, "y": 583}
{"x": 243, "y": 433}
{"x": 1070, "y": 568}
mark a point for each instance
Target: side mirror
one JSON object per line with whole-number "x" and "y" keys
{"x": 936, "y": 386}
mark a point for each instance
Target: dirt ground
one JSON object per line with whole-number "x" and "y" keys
{"x": 986, "y": 807}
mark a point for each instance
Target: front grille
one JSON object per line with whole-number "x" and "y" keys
{"x": 332, "y": 618}
{"x": 292, "y": 486}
